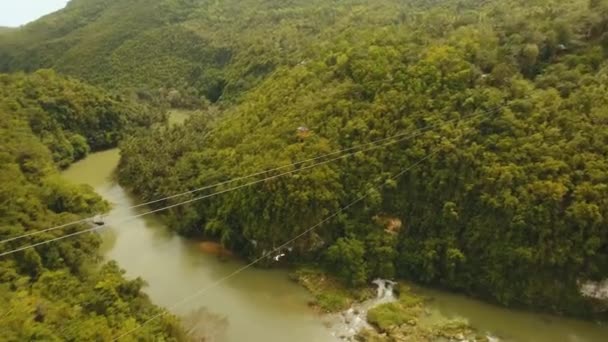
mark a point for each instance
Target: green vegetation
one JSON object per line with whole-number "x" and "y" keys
{"x": 202, "y": 49}
{"x": 511, "y": 208}
{"x": 179, "y": 116}
{"x": 405, "y": 310}
{"x": 406, "y": 320}
{"x": 69, "y": 117}
{"x": 60, "y": 291}
{"x": 331, "y": 295}
{"x": 388, "y": 315}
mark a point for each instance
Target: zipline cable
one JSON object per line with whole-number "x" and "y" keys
{"x": 236, "y": 272}
{"x": 129, "y": 218}
{"x": 243, "y": 268}
{"x": 413, "y": 133}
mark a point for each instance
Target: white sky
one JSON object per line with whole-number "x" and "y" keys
{"x": 15, "y": 13}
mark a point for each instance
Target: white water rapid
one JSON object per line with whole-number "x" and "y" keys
{"x": 347, "y": 324}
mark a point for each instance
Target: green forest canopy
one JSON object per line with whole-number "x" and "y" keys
{"x": 512, "y": 207}
{"x": 201, "y": 48}
{"x": 61, "y": 291}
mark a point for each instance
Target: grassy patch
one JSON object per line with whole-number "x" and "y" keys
{"x": 388, "y": 315}
{"x": 333, "y": 301}
{"x": 331, "y": 295}
{"x": 406, "y": 310}
{"x": 403, "y": 320}
{"x": 408, "y": 299}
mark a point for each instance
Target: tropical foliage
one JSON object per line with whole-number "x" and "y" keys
{"x": 508, "y": 199}
{"x": 69, "y": 117}
{"x": 60, "y": 291}
{"x": 509, "y": 205}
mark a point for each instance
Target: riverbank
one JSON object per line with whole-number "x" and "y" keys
{"x": 256, "y": 305}
{"x": 399, "y": 315}
{"x": 423, "y": 314}
{"x": 264, "y": 305}
{"x": 330, "y": 295}
{"x": 409, "y": 318}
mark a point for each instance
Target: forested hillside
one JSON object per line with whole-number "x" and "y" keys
{"x": 207, "y": 49}
{"x": 72, "y": 118}
{"x": 511, "y": 206}
{"x": 511, "y": 97}
{"x": 60, "y": 291}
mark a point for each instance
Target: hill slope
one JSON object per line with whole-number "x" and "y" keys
{"x": 201, "y": 48}
{"x": 60, "y": 291}
{"x": 70, "y": 117}
{"x": 510, "y": 206}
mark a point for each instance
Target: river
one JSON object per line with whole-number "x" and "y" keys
{"x": 264, "y": 305}
{"x": 259, "y": 305}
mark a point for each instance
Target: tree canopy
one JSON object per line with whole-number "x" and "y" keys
{"x": 61, "y": 291}
{"x": 510, "y": 98}
{"x": 511, "y": 206}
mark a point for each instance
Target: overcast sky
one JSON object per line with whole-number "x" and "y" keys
{"x": 19, "y": 12}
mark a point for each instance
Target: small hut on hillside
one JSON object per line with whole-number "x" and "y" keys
{"x": 303, "y": 132}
